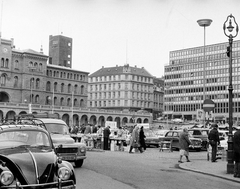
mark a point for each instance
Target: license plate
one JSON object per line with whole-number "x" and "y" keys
{"x": 68, "y": 158}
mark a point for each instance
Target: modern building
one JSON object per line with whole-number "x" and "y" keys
{"x": 125, "y": 88}
{"x": 184, "y": 81}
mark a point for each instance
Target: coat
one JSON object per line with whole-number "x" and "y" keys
{"x": 236, "y": 146}
{"x": 184, "y": 141}
{"x": 135, "y": 136}
{"x": 214, "y": 135}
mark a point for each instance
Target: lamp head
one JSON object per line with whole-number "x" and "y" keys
{"x": 230, "y": 27}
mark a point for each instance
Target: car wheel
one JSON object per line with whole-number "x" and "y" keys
{"x": 79, "y": 163}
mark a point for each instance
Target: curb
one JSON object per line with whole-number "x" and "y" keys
{"x": 206, "y": 173}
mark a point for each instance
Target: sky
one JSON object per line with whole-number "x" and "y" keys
{"x": 107, "y": 33}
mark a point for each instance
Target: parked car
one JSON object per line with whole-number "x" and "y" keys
{"x": 28, "y": 158}
{"x": 161, "y": 132}
{"x": 201, "y": 133}
{"x": 173, "y": 136}
{"x": 151, "y": 138}
{"x": 66, "y": 146}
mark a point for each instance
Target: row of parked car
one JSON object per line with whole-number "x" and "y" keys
{"x": 36, "y": 151}
{"x": 198, "y": 137}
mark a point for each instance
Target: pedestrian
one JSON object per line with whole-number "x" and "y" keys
{"x": 236, "y": 153}
{"x": 134, "y": 141}
{"x": 106, "y": 133}
{"x": 184, "y": 143}
{"x": 214, "y": 141}
{"x": 142, "y": 138}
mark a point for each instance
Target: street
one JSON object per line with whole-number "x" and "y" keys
{"x": 149, "y": 170}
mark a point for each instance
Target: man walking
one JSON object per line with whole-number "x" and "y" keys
{"x": 236, "y": 153}
{"x": 214, "y": 141}
{"x": 106, "y": 133}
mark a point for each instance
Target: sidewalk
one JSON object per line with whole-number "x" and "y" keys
{"x": 217, "y": 169}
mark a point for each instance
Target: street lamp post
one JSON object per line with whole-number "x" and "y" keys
{"x": 204, "y": 23}
{"x": 231, "y": 32}
{"x": 31, "y": 89}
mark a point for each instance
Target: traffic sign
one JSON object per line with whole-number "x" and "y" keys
{"x": 208, "y": 105}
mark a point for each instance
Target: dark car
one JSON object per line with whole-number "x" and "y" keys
{"x": 151, "y": 138}
{"x": 173, "y": 136}
{"x": 201, "y": 133}
{"x": 67, "y": 148}
{"x": 28, "y": 158}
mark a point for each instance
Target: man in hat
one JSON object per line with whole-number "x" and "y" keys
{"x": 214, "y": 141}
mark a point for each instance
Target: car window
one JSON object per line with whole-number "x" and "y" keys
{"x": 169, "y": 134}
{"x": 175, "y": 134}
{"x": 23, "y": 137}
{"x": 205, "y": 133}
{"x": 57, "y": 128}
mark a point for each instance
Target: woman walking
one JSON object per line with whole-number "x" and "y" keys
{"x": 134, "y": 141}
{"x": 142, "y": 139}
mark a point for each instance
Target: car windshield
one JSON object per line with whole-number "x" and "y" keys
{"x": 57, "y": 128}
{"x": 11, "y": 139}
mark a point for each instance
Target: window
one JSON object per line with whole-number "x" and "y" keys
{"x": 16, "y": 64}
{"x": 38, "y": 83}
{"x": 62, "y": 87}
{"x": 15, "y": 82}
{"x": 69, "y": 88}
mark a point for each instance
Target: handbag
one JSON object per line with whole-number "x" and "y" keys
{"x": 135, "y": 145}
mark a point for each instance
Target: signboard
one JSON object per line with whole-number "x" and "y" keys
{"x": 208, "y": 105}
{"x": 112, "y": 124}
{"x": 200, "y": 114}
{"x": 209, "y": 116}
{"x": 145, "y": 125}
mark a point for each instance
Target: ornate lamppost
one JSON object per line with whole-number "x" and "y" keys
{"x": 231, "y": 32}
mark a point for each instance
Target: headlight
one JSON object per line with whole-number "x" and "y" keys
{"x": 6, "y": 178}
{"x": 82, "y": 150}
{"x": 64, "y": 173}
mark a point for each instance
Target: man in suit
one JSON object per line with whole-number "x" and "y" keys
{"x": 106, "y": 133}
{"x": 214, "y": 141}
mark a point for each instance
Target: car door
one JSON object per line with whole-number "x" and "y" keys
{"x": 175, "y": 140}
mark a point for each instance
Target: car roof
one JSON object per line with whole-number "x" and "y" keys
{"x": 52, "y": 120}
{"x": 7, "y": 127}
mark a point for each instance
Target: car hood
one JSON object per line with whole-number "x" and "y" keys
{"x": 62, "y": 139}
{"x": 30, "y": 163}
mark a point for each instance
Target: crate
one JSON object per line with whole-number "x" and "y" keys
{"x": 165, "y": 145}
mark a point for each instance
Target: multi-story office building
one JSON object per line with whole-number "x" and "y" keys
{"x": 60, "y": 51}
{"x": 126, "y": 88}
{"x": 184, "y": 80}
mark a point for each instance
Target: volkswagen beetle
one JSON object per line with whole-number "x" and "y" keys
{"x": 28, "y": 158}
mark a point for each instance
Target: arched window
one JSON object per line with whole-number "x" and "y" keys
{"x": 6, "y": 63}
{"x": 40, "y": 67}
{"x": 55, "y": 87}
{"x": 48, "y": 100}
{"x": 48, "y": 86}
{"x": 82, "y": 89}
{"x": 35, "y": 65}
{"x": 3, "y": 79}
{"x": 69, "y": 88}
{"x": 61, "y": 101}
{"x": 30, "y": 64}
{"x": 68, "y": 102}
{"x": 55, "y": 100}
{"x": 15, "y": 81}
{"x": 37, "y": 83}
{"x": 62, "y": 87}
{"x": 37, "y": 99}
{"x": 75, "y": 89}
{"x": 75, "y": 102}
{"x": 16, "y": 64}
{"x": 81, "y": 103}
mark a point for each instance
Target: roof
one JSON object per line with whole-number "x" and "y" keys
{"x": 120, "y": 70}
{"x": 19, "y": 127}
{"x": 29, "y": 51}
